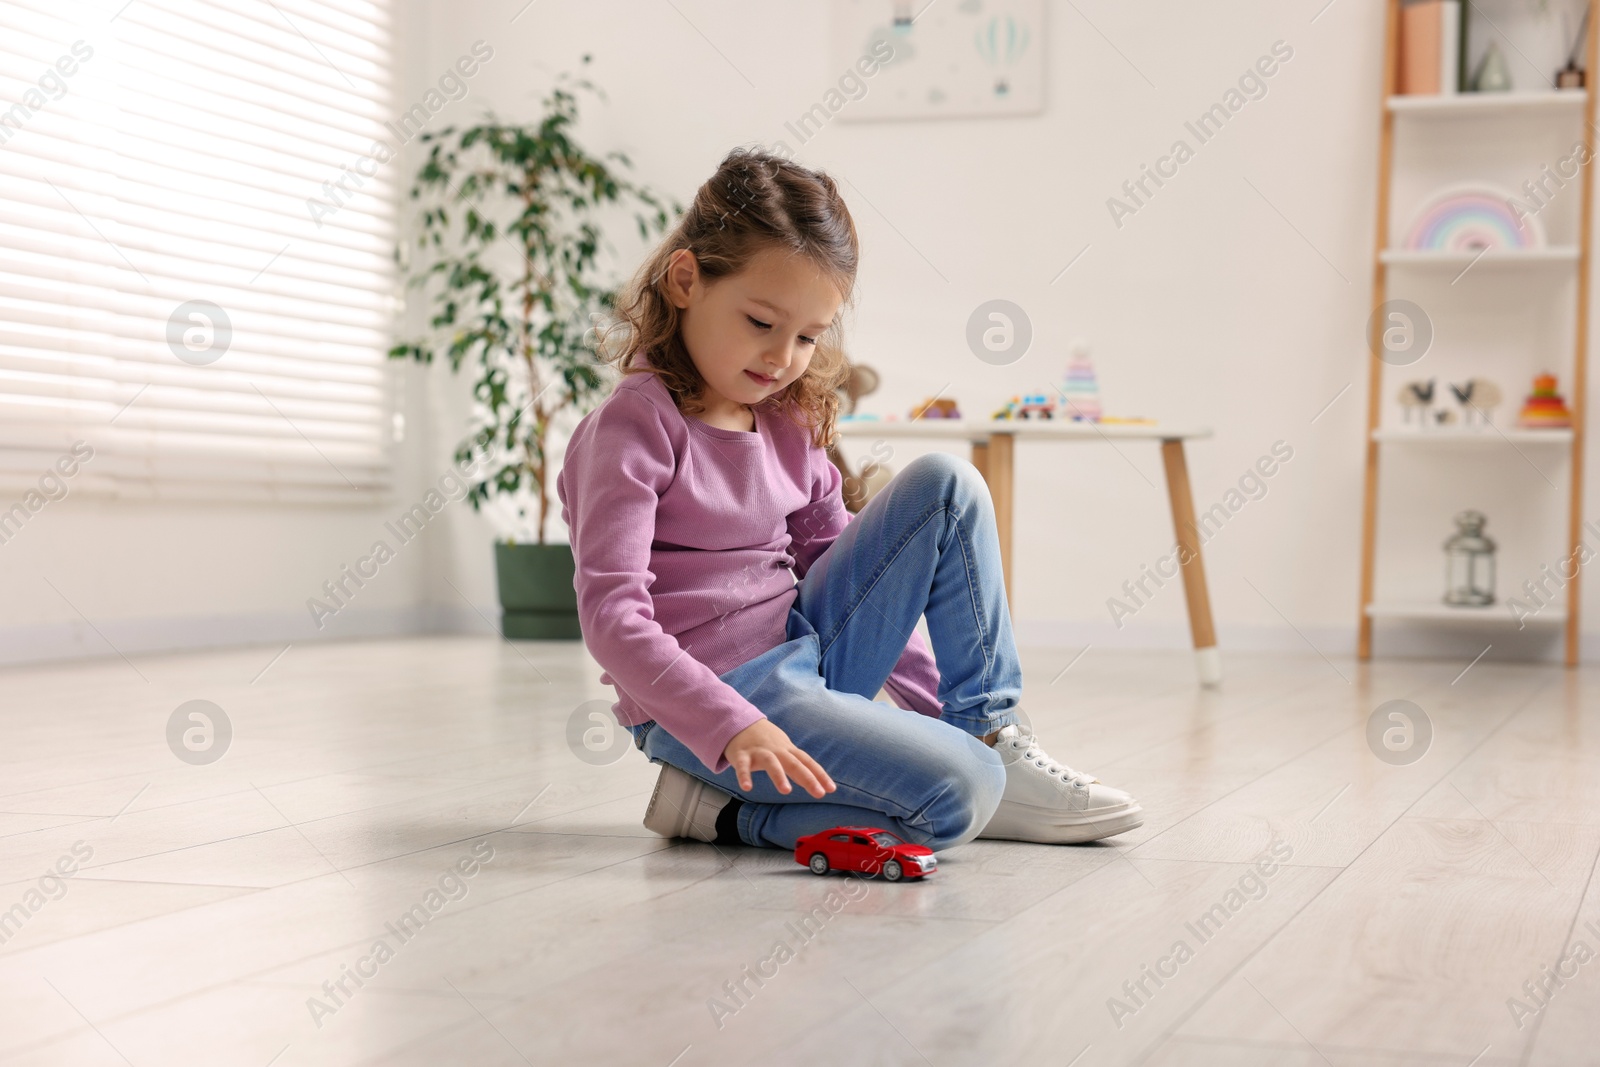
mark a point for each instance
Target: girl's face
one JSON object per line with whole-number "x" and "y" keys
{"x": 750, "y": 334}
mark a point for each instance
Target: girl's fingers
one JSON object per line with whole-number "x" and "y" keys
{"x": 811, "y": 772}
{"x": 823, "y": 777}
{"x": 797, "y": 762}
{"x": 774, "y": 769}
{"x": 800, "y": 768}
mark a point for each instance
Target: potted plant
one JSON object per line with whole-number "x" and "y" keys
{"x": 508, "y": 239}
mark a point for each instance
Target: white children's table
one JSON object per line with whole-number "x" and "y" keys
{"x": 993, "y": 448}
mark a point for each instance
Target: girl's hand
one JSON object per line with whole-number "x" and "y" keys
{"x": 763, "y": 746}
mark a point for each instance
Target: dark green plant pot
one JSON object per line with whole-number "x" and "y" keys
{"x": 537, "y": 598}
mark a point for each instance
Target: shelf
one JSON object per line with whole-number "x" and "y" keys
{"x": 1451, "y": 134}
{"x": 1434, "y": 611}
{"x": 1460, "y": 436}
{"x": 1509, "y": 257}
{"x": 1463, "y": 105}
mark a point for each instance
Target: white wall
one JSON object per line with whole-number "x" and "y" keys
{"x": 1237, "y": 298}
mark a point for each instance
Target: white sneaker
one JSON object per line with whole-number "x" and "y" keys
{"x": 684, "y": 806}
{"x": 1050, "y": 803}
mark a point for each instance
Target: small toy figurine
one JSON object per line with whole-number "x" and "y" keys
{"x": 936, "y": 409}
{"x": 866, "y": 849}
{"x": 1478, "y": 397}
{"x": 1545, "y": 409}
{"x": 1036, "y": 406}
{"x": 1028, "y": 406}
{"x": 1486, "y": 396}
{"x": 1419, "y": 396}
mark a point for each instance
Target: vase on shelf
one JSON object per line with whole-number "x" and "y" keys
{"x": 1492, "y": 75}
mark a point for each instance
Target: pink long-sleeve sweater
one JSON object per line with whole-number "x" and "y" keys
{"x": 689, "y": 540}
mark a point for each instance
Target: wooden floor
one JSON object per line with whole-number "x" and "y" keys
{"x": 213, "y": 902}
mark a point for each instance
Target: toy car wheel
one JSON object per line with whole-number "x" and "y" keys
{"x": 892, "y": 871}
{"x": 819, "y": 863}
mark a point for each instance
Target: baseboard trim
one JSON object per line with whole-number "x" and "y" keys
{"x": 1392, "y": 639}
{"x": 164, "y": 636}
{"x": 159, "y": 636}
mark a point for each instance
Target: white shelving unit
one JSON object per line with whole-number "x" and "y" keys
{"x": 1484, "y": 298}
{"x": 1468, "y": 105}
{"x": 1452, "y": 436}
{"x": 1519, "y": 258}
{"x": 1493, "y": 615}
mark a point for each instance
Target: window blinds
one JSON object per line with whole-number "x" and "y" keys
{"x": 193, "y": 280}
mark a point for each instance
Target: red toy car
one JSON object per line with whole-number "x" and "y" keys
{"x": 864, "y": 848}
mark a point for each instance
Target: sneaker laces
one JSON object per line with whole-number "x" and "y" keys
{"x": 1039, "y": 758}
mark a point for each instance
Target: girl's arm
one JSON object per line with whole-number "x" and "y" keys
{"x": 610, "y": 485}
{"x": 914, "y": 682}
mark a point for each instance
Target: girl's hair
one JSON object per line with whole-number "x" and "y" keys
{"x": 754, "y": 202}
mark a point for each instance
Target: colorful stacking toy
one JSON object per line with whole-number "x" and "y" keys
{"x": 1545, "y": 409}
{"x": 1081, "y": 390}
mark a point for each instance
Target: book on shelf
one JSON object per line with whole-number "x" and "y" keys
{"x": 1430, "y": 47}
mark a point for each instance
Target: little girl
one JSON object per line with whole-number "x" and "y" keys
{"x": 699, "y": 492}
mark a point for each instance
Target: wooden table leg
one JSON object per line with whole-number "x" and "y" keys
{"x": 993, "y": 460}
{"x": 1207, "y": 660}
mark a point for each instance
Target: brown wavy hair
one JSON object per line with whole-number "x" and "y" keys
{"x": 754, "y": 202}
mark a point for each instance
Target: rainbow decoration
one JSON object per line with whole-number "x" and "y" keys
{"x": 1471, "y": 217}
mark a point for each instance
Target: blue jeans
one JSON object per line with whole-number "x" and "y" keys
{"x": 925, "y": 544}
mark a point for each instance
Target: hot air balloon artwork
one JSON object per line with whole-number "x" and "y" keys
{"x": 937, "y": 58}
{"x": 1001, "y": 41}
{"x": 1471, "y": 217}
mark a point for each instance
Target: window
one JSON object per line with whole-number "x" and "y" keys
{"x": 196, "y": 245}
